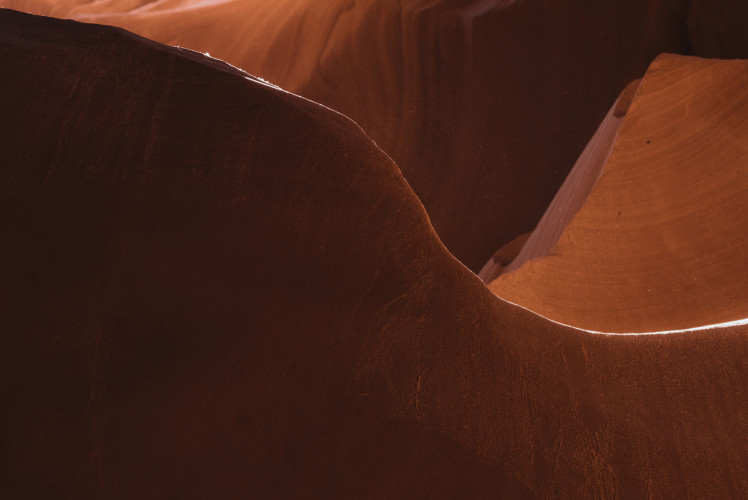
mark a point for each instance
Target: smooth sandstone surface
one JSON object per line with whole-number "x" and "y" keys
{"x": 659, "y": 243}
{"x": 213, "y": 288}
{"x": 484, "y": 104}
{"x": 569, "y": 199}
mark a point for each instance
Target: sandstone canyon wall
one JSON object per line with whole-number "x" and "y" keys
{"x": 484, "y": 105}
{"x": 214, "y": 288}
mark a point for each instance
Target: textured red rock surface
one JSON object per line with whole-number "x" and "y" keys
{"x": 484, "y": 104}
{"x": 660, "y": 242}
{"x": 212, "y": 288}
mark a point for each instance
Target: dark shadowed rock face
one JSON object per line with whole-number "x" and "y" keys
{"x": 196, "y": 266}
{"x": 213, "y": 288}
{"x": 717, "y": 28}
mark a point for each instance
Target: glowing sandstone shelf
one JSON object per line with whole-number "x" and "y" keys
{"x": 660, "y": 243}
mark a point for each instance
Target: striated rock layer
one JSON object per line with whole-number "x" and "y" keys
{"x": 659, "y": 243}
{"x": 213, "y": 288}
{"x": 484, "y": 104}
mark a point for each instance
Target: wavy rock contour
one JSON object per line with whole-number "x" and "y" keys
{"x": 187, "y": 314}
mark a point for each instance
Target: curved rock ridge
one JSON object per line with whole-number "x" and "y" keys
{"x": 659, "y": 243}
{"x": 484, "y": 104}
{"x": 213, "y": 288}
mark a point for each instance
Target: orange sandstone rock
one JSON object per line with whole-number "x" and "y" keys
{"x": 659, "y": 243}
{"x": 213, "y": 288}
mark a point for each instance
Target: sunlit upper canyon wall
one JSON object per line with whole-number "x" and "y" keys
{"x": 484, "y": 105}
{"x": 214, "y": 288}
